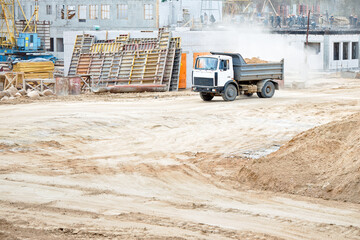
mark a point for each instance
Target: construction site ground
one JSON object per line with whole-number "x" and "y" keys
{"x": 165, "y": 166}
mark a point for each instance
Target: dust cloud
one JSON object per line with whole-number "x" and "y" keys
{"x": 256, "y": 41}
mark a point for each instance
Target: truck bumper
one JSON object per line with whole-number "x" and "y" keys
{"x": 207, "y": 89}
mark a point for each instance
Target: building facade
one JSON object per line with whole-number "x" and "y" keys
{"x": 86, "y": 15}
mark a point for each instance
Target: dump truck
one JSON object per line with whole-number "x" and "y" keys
{"x": 228, "y": 75}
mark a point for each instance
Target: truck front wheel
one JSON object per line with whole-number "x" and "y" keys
{"x": 230, "y": 93}
{"x": 206, "y": 96}
{"x": 267, "y": 91}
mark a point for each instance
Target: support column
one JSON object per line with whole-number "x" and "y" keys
{"x": 327, "y": 51}
{"x": 157, "y": 14}
{"x": 358, "y": 53}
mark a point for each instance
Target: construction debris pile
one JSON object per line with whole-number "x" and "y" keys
{"x": 13, "y": 93}
{"x": 128, "y": 64}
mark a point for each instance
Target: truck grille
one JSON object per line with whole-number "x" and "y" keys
{"x": 203, "y": 81}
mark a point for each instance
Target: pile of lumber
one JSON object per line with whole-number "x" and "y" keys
{"x": 35, "y": 70}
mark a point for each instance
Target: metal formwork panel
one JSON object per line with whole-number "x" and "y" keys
{"x": 126, "y": 65}
{"x": 122, "y": 38}
{"x": 106, "y": 47}
{"x": 115, "y": 66}
{"x": 96, "y": 65}
{"x": 75, "y": 55}
{"x": 82, "y": 45}
{"x": 151, "y": 65}
{"x": 83, "y": 66}
{"x": 127, "y": 61}
{"x": 87, "y": 42}
{"x": 164, "y": 40}
{"x": 169, "y": 63}
{"x": 175, "y": 75}
{"x": 106, "y": 65}
{"x": 161, "y": 65}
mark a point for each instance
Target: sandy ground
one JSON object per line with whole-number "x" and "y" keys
{"x": 163, "y": 166}
{"x": 321, "y": 162}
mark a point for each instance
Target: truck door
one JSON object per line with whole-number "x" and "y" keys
{"x": 224, "y": 72}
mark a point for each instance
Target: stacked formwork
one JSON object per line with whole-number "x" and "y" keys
{"x": 125, "y": 61}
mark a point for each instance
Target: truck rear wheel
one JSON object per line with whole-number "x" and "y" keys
{"x": 267, "y": 91}
{"x": 230, "y": 93}
{"x": 206, "y": 96}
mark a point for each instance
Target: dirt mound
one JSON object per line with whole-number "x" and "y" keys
{"x": 254, "y": 60}
{"x": 321, "y": 162}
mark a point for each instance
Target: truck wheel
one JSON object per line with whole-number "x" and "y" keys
{"x": 230, "y": 93}
{"x": 267, "y": 91}
{"x": 206, "y": 96}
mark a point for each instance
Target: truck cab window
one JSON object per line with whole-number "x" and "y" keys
{"x": 224, "y": 65}
{"x": 206, "y": 63}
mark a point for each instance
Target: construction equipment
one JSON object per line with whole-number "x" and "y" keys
{"x": 228, "y": 75}
{"x": 127, "y": 64}
{"x": 20, "y": 40}
{"x": 232, "y": 8}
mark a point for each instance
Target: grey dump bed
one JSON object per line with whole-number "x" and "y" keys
{"x": 253, "y": 72}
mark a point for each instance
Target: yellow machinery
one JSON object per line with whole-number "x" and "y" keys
{"x": 7, "y": 38}
{"x": 8, "y": 30}
{"x": 20, "y": 39}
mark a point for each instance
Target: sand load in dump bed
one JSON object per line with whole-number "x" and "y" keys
{"x": 254, "y": 60}
{"x": 128, "y": 64}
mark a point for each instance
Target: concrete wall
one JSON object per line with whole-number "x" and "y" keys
{"x": 170, "y": 13}
{"x": 343, "y": 63}
{"x": 315, "y": 60}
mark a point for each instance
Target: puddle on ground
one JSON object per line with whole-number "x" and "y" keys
{"x": 260, "y": 153}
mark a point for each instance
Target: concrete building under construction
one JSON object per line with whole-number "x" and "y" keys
{"x": 80, "y": 15}
{"x": 87, "y": 15}
{"x": 331, "y": 49}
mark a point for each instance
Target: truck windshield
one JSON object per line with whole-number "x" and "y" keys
{"x": 205, "y": 63}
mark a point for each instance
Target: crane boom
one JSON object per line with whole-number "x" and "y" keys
{"x": 7, "y": 24}
{"x": 8, "y": 31}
